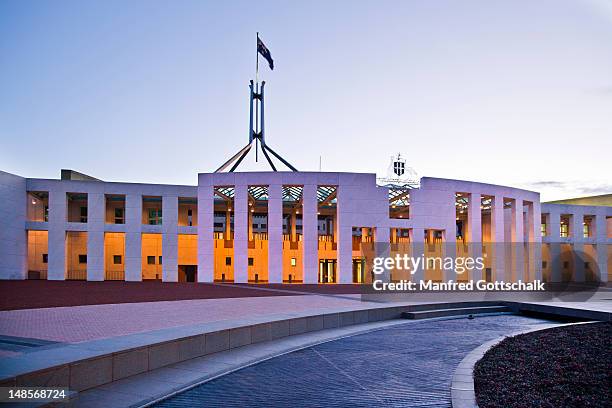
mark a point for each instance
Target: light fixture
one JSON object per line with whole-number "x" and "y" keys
{"x": 33, "y": 202}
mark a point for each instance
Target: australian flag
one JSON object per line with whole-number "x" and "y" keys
{"x": 265, "y": 52}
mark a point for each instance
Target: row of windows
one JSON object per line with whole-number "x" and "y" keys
{"x": 221, "y": 225}
{"x": 564, "y": 230}
{"x": 251, "y": 261}
{"x": 154, "y": 216}
{"x": 151, "y": 260}
{"x": 83, "y": 259}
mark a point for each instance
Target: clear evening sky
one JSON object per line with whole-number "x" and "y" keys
{"x": 515, "y": 92}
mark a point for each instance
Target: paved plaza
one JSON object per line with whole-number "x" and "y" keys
{"x": 82, "y": 323}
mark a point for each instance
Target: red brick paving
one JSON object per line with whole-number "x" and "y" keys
{"x": 31, "y": 294}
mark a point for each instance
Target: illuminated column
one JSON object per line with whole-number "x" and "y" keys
{"x": 417, "y": 242}
{"x": 449, "y": 249}
{"x": 578, "y": 246}
{"x": 206, "y": 242}
{"x": 275, "y": 233}
{"x": 250, "y": 221}
{"x": 601, "y": 245}
{"x": 228, "y": 224}
{"x": 95, "y": 236}
{"x": 57, "y": 234}
{"x": 517, "y": 234}
{"x": 475, "y": 233}
{"x": 497, "y": 233}
{"x": 555, "y": 261}
{"x": 293, "y": 226}
{"x": 170, "y": 239}
{"x": 241, "y": 234}
{"x": 310, "y": 234}
{"x": 344, "y": 239}
{"x": 345, "y": 252}
{"x": 553, "y": 233}
{"x": 534, "y": 216}
{"x": 382, "y": 249}
{"x": 133, "y": 237}
{"x": 554, "y": 230}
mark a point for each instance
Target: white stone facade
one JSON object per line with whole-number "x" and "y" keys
{"x": 515, "y": 216}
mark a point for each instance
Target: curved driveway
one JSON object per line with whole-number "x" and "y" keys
{"x": 409, "y": 365}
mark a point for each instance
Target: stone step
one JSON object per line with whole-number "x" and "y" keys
{"x": 428, "y": 314}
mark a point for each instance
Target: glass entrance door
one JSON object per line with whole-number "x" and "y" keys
{"x": 358, "y": 270}
{"x": 327, "y": 270}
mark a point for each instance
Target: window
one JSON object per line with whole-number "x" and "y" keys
{"x": 190, "y": 217}
{"x": 250, "y": 261}
{"x": 119, "y": 219}
{"x": 565, "y": 265}
{"x": 564, "y": 230}
{"x": 45, "y": 258}
{"x": 228, "y": 260}
{"x": 543, "y": 229}
{"x": 83, "y": 217}
{"x": 587, "y": 265}
{"x": 151, "y": 260}
{"x": 264, "y": 225}
{"x": 117, "y": 259}
{"x": 586, "y": 230}
{"x": 544, "y": 264}
{"x": 82, "y": 259}
{"x": 46, "y": 216}
{"x": 293, "y": 262}
{"x": 160, "y": 260}
{"x": 155, "y": 216}
{"x": 218, "y": 225}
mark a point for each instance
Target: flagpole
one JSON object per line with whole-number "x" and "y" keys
{"x": 257, "y": 92}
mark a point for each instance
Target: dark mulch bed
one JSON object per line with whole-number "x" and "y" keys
{"x": 560, "y": 367}
{"x": 31, "y": 294}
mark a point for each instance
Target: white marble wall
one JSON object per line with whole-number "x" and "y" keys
{"x": 13, "y": 239}
{"x": 96, "y": 226}
{"x": 360, "y": 203}
{"x": 599, "y": 239}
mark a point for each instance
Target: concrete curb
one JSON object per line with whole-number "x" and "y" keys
{"x": 462, "y": 384}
